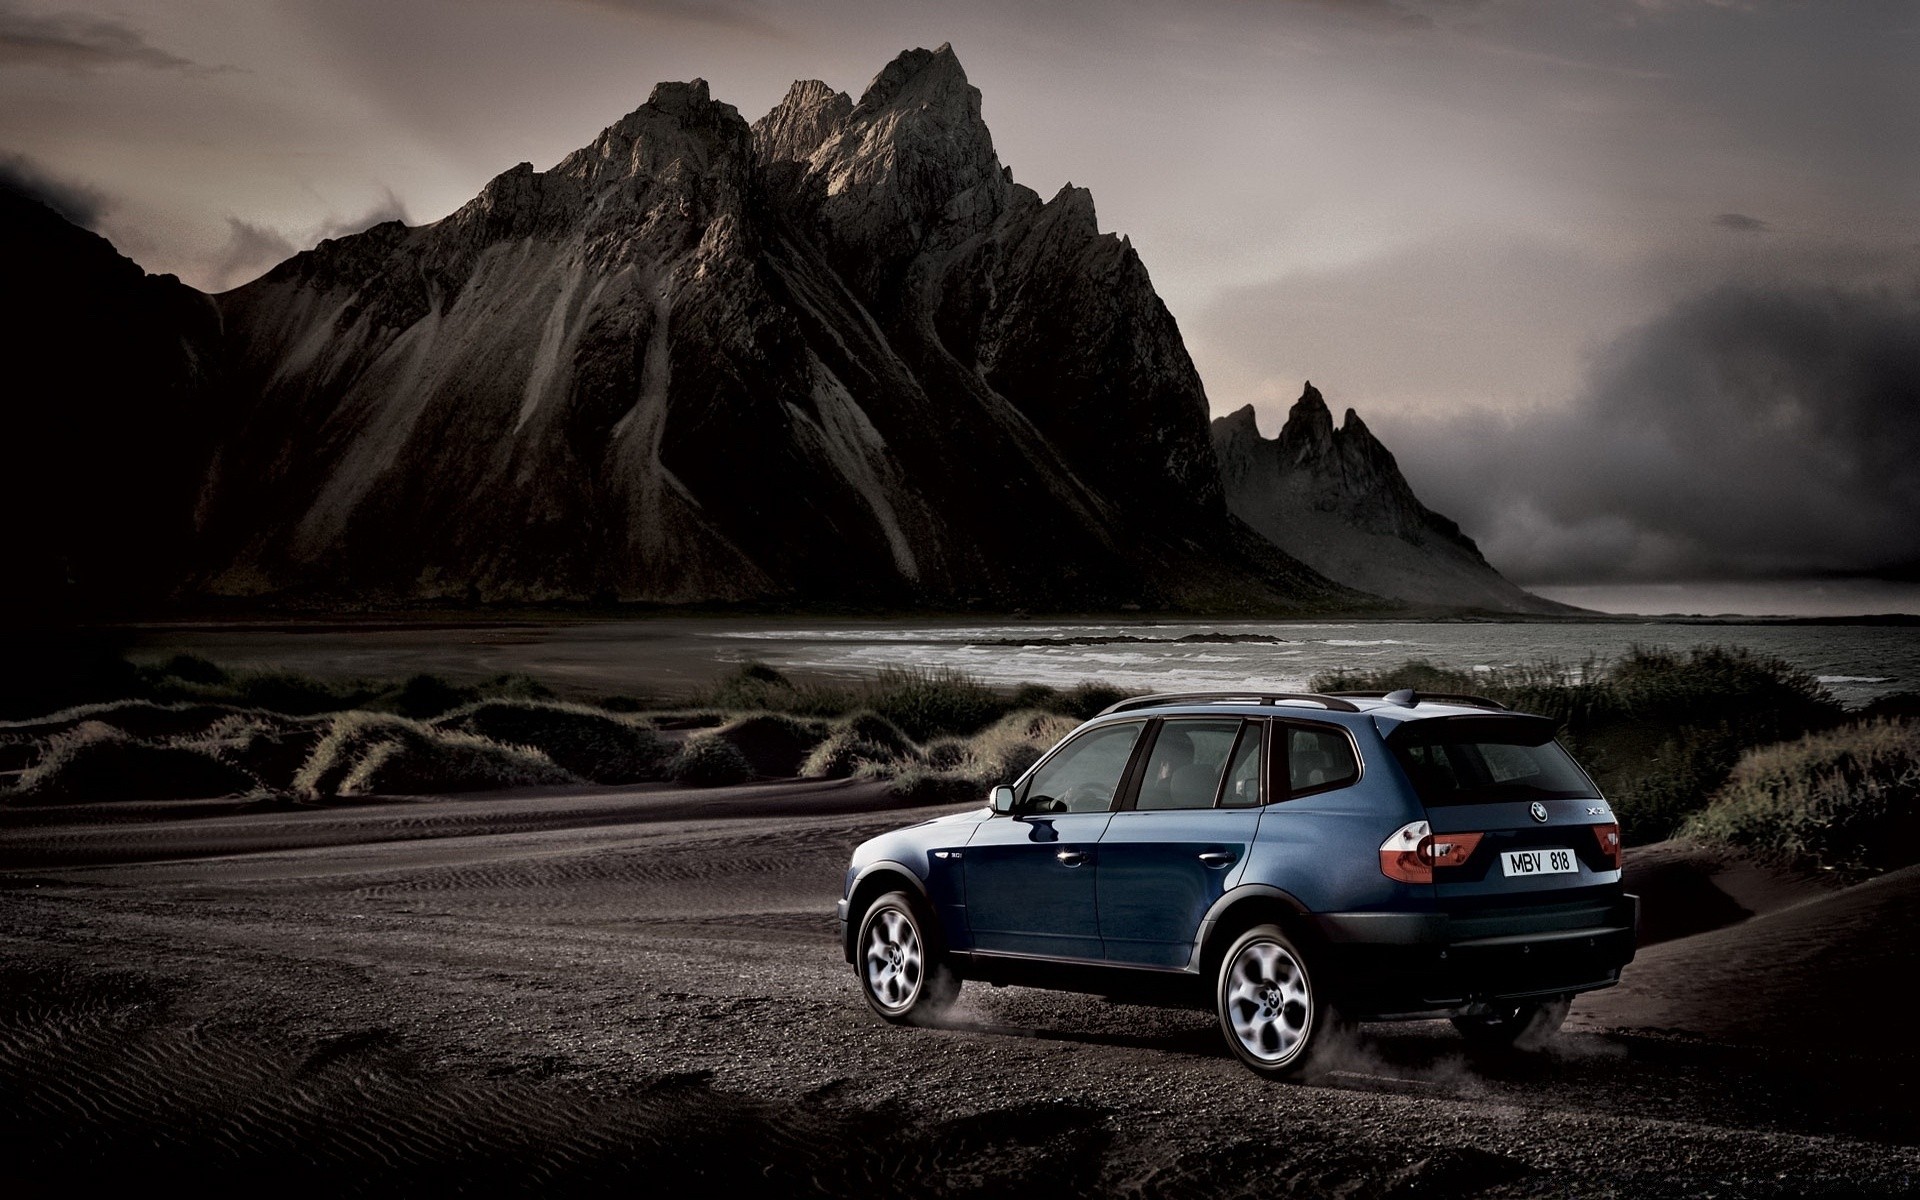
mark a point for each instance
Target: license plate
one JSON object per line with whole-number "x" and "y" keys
{"x": 1539, "y": 862}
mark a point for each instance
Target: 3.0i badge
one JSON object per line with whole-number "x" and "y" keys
{"x": 1539, "y": 811}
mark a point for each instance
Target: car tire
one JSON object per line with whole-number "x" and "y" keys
{"x": 901, "y": 963}
{"x": 1522, "y": 1026}
{"x": 1276, "y": 1018}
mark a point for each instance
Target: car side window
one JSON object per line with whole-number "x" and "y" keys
{"x": 1243, "y": 773}
{"x": 1085, "y": 774}
{"x": 1319, "y": 759}
{"x": 1183, "y": 771}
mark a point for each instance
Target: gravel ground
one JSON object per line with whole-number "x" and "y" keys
{"x": 595, "y": 990}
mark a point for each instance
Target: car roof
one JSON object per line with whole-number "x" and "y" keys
{"x": 1388, "y": 710}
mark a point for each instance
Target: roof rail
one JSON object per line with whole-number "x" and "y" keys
{"x": 1328, "y": 702}
{"x": 1408, "y": 698}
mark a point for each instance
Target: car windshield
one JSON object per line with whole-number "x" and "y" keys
{"x": 1481, "y": 762}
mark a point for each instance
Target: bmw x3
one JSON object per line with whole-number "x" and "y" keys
{"x": 1293, "y": 862}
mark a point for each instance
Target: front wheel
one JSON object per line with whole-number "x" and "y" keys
{"x": 1275, "y": 1018}
{"x": 903, "y": 975}
{"x": 1526, "y": 1026}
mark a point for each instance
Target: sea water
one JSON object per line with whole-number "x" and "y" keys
{"x": 665, "y": 657}
{"x": 1856, "y": 662}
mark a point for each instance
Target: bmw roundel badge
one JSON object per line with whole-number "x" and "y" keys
{"x": 1539, "y": 811}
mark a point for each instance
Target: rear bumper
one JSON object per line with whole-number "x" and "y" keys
{"x": 846, "y": 941}
{"x": 1402, "y": 964}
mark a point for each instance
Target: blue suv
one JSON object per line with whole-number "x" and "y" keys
{"x": 1291, "y": 861}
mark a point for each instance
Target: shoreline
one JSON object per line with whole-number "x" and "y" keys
{"x": 536, "y": 618}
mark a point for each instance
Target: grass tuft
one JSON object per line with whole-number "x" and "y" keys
{"x": 923, "y": 703}
{"x": 1843, "y": 800}
{"x": 843, "y": 755}
{"x": 708, "y": 760}
{"x": 95, "y": 762}
{"x": 775, "y": 745}
{"x": 376, "y": 753}
{"x": 270, "y": 747}
{"x": 921, "y": 786}
{"x": 590, "y": 743}
{"x": 928, "y": 703}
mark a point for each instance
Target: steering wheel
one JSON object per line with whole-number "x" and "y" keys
{"x": 1084, "y": 797}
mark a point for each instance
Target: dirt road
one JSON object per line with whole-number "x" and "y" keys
{"x": 612, "y": 990}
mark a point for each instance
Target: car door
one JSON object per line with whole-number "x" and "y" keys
{"x": 1181, "y": 839}
{"x": 1030, "y": 874}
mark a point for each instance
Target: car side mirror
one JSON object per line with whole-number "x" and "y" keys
{"x": 1002, "y": 799}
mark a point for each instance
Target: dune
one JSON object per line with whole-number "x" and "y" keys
{"x": 1813, "y": 969}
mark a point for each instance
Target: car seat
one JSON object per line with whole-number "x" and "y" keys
{"x": 1311, "y": 768}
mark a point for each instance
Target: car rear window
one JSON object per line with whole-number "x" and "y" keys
{"x": 1478, "y": 761}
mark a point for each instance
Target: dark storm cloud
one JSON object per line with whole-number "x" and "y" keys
{"x": 1741, "y": 223}
{"x": 1750, "y": 431}
{"x": 78, "y": 43}
{"x": 76, "y": 202}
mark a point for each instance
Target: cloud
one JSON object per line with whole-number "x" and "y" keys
{"x": 388, "y": 208}
{"x": 1393, "y": 12}
{"x": 250, "y": 251}
{"x": 739, "y": 17}
{"x": 1742, "y": 223}
{"x": 1751, "y": 431}
{"x": 78, "y": 43}
{"x": 82, "y": 205}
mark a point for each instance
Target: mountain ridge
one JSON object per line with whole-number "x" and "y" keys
{"x": 1335, "y": 498}
{"x": 695, "y": 364}
{"x": 836, "y": 357}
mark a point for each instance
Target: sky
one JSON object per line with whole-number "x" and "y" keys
{"x": 1630, "y": 287}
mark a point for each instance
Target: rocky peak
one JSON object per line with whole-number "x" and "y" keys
{"x": 1308, "y": 434}
{"x": 811, "y": 113}
{"x": 680, "y": 126}
{"x": 1073, "y": 207}
{"x": 911, "y": 169}
{"x": 1242, "y": 422}
{"x": 1336, "y": 499}
{"x": 1365, "y": 453}
{"x": 929, "y": 79}
{"x": 680, "y": 99}
{"x": 921, "y": 104}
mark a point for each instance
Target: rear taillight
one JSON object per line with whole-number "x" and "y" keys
{"x": 1608, "y": 838}
{"x": 1414, "y": 850}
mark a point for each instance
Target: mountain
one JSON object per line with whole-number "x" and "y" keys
{"x": 1335, "y": 499}
{"x": 104, "y": 417}
{"x": 838, "y": 356}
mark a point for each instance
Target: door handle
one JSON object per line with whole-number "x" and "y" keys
{"x": 1216, "y": 858}
{"x": 1071, "y": 858}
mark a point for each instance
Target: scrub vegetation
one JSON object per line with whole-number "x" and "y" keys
{"x": 189, "y": 728}
{"x": 1661, "y": 731}
{"x": 1843, "y": 800}
{"x": 1658, "y": 730}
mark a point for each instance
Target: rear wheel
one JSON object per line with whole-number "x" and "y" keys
{"x": 1521, "y": 1026}
{"x": 1274, "y": 1016}
{"x": 903, "y": 973}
